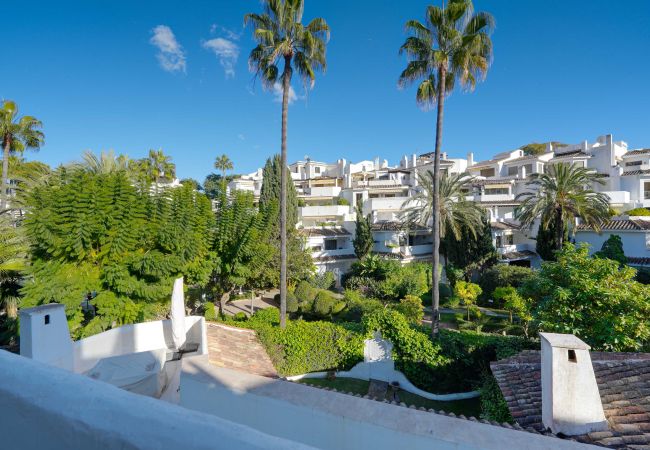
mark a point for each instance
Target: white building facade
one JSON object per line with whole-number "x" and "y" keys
{"x": 330, "y": 192}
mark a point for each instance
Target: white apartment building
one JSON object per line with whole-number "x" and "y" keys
{"x": 330, "y": 192}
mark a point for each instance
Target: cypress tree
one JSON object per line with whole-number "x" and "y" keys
{"x": 270, "y": 193}
{"x": 470, "y": 252}
{"x": 363, "y": 240}
{"x": 546, "y": 244}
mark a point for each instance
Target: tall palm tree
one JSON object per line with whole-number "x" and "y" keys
{"x": 13, "y": 260}
{"x": 17, "y": 135}
{"x": 223, "y": 163}
{"x": 453, "y": 44}
{"x": 282, "y": 38}
{"x": 455, "y": 212}
{"x": 560, "y": 196}
{"x": 160, "y": 166}
{"x": 105, "y": 162}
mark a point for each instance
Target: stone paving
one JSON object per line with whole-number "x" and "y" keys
{"x": 238, "y": 349}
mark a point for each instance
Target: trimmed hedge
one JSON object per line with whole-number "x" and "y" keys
{"x": 493, "y": 405}
{"x": 209, "y": 312}
{"x": 304, "y": 347}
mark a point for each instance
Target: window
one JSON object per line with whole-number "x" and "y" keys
{"x": 487, "y": 173}
{"x": 512, "y": 171}
{"x": 497, "y": 191}
{"x": 646, "y": 190}
{"x": 317, "y": 169}
{"x": 316, "y": 248}
{"x": 359, "y": 199}
{"x": 633, "y": 163}
{"x": 47, "y": 319}
{"x": 330, "y": 244}
{"x": 529, "y": 169}
{"x": 572, "y": 356}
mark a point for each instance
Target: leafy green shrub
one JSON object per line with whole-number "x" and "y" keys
{"x": 411, "y": 308}
{"x": 305, "y": 292}
{"x": 240, "y": 316}
{"x": 324, "y": 303}
{"x": 467, "y": 356}
{"x": 592, "y": 298}
{"x": 342, "y": 201}
{"x": 367, "y": 286}
{"x": 503, "y": 275}
{"x": 325, "y": 280}
{"x": 401, "y": 281}
{"x": 338, "y": 307}
{"x": 444, "y": 292}
{"x": 613, "y": 249}
{"x": 209, "y": 312}
{"x": 357, "y": 305}
{"x": 493, "y": 405}
{"x": 414, "y": 352}
{"x": 638, "y": 212}
{"x": 292, "y": 303}
{"x": 468, "y": 293}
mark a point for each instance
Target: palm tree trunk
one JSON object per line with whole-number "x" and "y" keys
{"x": 5, "y": 175}
{"x": 286, "y": 86}
{"x": 435, "y": 294}
{"x": 559, "y": 229}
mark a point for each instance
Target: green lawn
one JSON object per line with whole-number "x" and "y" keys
{"x": 469, "y": 407}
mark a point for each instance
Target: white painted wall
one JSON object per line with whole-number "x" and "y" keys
{"x": 44, "y": 407}
{"x": 139, "y": 337}
{"x": 634, "y": 242}
{"x": 331, "y": 420}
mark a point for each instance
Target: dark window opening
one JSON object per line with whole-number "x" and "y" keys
{"x": 330, "y": 244}
{"x": 47, "y": 319}
{"x": 572, "y": 356}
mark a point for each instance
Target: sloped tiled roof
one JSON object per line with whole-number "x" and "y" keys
{"x": 325, "y": 232}
{"x": 623, "y": 382}
{"x": 331, "y": 258}
{"x": 514, "y": 256}
{"x": 395, "y": 226}
{"x": 620, "y": 225}
{"x": 482, "y": 182}
{"x": 504, "y": 225}
{"x": 499, "y": 203}
{"x": 641, "y": 151}
{"x": 571, "y": 154}
{"x": 636, "y": 172}
{"x": 638, "y": 260}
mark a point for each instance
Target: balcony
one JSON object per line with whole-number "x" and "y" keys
{"x": 348, "y": 251}
{"x": 324, "y": 211}
{"x": 619, "y": 197}
{"x": 378, "y": 184}
{"x": 509, "y": 248}
{"x": 383, "y": 204}
{"x": 324, "y": 191}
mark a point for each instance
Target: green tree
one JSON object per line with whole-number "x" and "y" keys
{"x": 17, "y": 135}
{"x": 223, "y": 164}
{"x": 238, "y": 230}
{"x": 411, "y": 308}
{"x": 471, "y": 251}
{"x": 13, "y": 261}
{"x": 282, "y": 38}
{"x": 363, "y": 240}
{"x": 638, "y": 212}
{"x": 213, "y": 184}
{"x": 503, "y": 275}
{"x": 546, "y": 240}
{"x": 270, "y": 197}
{"x": 560, "y": 196}
{"x": 515, "y": 304}
{"x": 535, "y": 148}
{"x": 592, "y": 298}
{"x": 613, "y": 249}
{"x": 442, "y": 203}
{"x": 453, "y": 45}
{"x": 468, "y": 293}
{"x": 97, "y": 233}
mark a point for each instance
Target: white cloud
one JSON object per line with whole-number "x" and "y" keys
{"x": 226, "y": 51}
{"x": 230, "y": 34}
{"x": 277, "y": 94}
{"x": 241, "y": 137}
{"x": 170, "y": 55}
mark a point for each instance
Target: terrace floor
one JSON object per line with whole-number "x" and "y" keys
{"x": 238, "y": 349}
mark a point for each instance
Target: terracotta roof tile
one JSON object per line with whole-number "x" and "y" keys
{"x": 325, "y": 232}
{"x": 641, "y": 151}
{"x": 623, "y": 225}
{"x": 623, "y": 381}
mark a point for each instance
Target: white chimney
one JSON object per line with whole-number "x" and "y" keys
{"x": 571, "y": 402}
{"x": 45, "y": 337}
{"x": 414, "y": 159}
{"x": 470, "y": 159}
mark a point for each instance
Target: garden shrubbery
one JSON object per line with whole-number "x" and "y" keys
{"x": 502, "y": 275}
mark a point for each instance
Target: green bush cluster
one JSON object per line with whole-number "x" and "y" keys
{"x": 502, "y": 275}
{"x": 325, "y": 280}
{"x": 414, "y": 352}
{"x": 209, "y": 312}
{"x": 493, "y": 405}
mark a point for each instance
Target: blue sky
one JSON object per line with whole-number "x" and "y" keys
{"x": 91, "y": 71}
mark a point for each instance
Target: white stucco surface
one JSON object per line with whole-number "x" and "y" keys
{"x": 571, "y": 401}
{"x": 332, "y": 420}
{"x": 47, "y": 408}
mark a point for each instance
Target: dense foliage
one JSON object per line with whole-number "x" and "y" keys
{"x": 613, "y": 249}
{"x": 472, "y": 251}
{"x": 594, "y": 299}
{"x": 502, "y": 275}
{"x": 96, "y": 234}
{"x": 363, "y": 240}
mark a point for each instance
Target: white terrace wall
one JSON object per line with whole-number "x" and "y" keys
{"x": 332, "y": 420}
{"x": 44, "y": 407}
{"x": 139, "y": 337}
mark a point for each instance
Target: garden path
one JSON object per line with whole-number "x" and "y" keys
{"x": 238, "y": 349}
